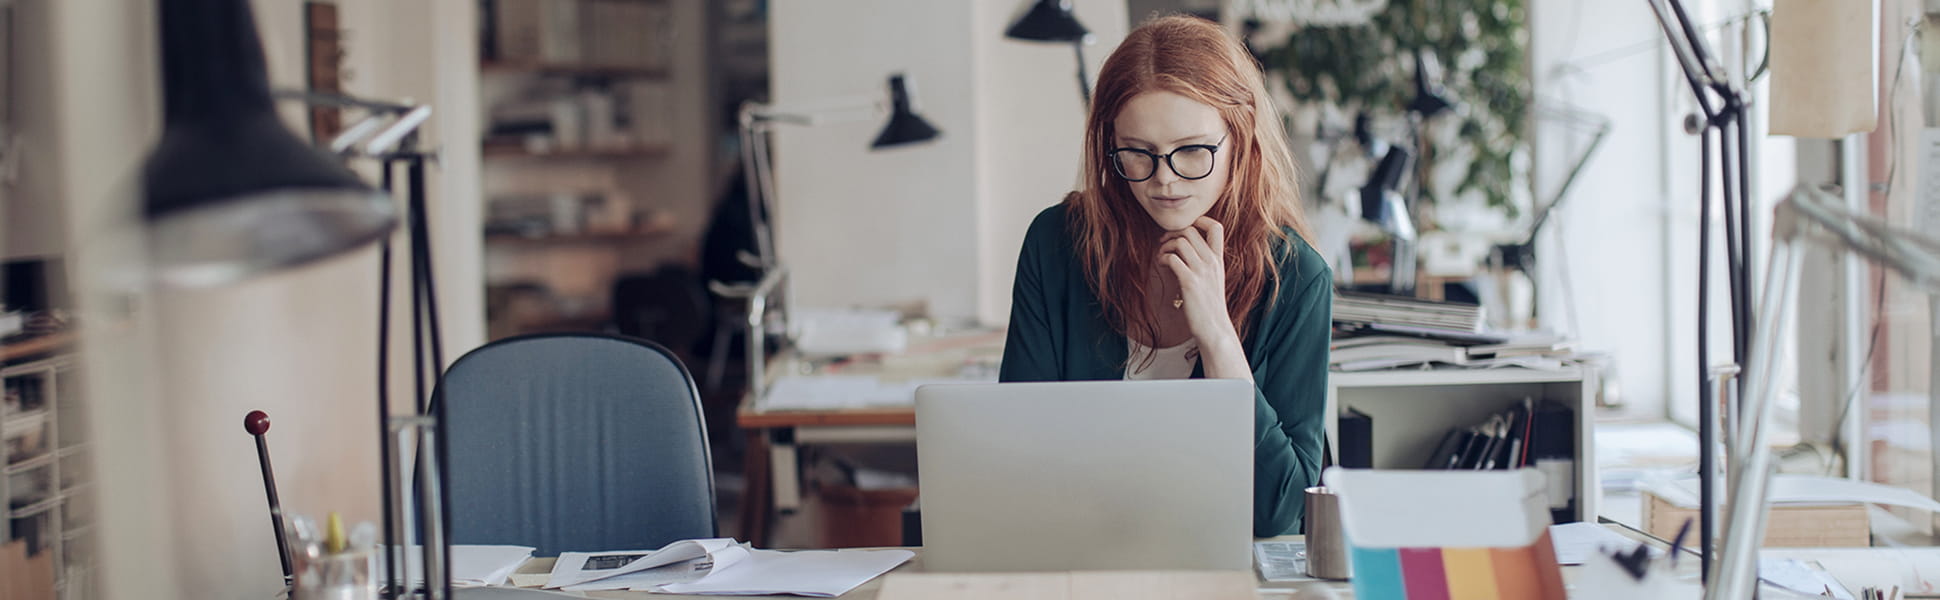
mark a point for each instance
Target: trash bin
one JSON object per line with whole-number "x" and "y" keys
{"x": 861, "y": 518}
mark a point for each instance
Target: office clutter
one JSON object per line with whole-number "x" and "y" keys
{"x": 720, "y": 566}
{"x": 1378, "y": 331}
{"x": 1480, "y": 535}
{"x": 1528, "y": 434}
{"x": 1803, "y": 511}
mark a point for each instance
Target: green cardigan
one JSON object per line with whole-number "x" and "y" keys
{"x": 1058, "y": 332}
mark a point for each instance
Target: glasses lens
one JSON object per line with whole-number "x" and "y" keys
{"x": 1193, "y": 162}
{"x": 1133, "y": 165}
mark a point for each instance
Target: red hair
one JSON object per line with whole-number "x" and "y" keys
{"x": 1116, "y": 239}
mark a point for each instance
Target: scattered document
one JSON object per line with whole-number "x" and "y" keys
{"x": 816, "y": 573}
{"x": 578, "y": 570}
{"x": 471, "y": 565}
{"x": 1576, "y": 543}
{"x": 1799, "y": 577}
{"x": 1914, "y": 570}
{"x": 1281, "y": 561}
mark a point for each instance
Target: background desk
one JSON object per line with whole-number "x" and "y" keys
{"x": 772, "y": 471}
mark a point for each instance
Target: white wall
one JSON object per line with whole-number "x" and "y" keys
{"x": 939, "y": 222}
{"x": 170, "y": 374}
{"x": 1030, "y": 124}
{"x": 1629, "y": 233}
{"x": 1609, "y": 237}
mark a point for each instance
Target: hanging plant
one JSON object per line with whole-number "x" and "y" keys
{"x": 1481, "y": 46}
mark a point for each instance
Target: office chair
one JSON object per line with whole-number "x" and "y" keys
{"x": 576, "y": 442}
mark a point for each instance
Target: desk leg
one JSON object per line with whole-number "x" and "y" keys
{"x": 759, "y": 502}
{"x": 787, "y": 471}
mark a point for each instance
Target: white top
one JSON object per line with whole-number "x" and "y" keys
{"x": 1175, "y": 362}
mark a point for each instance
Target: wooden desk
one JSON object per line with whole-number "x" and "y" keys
{"x": 770, "y": 465}
{"x": 867, "y": 591}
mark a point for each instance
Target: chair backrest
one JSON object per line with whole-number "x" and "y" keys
{"x": 576, "y": 442}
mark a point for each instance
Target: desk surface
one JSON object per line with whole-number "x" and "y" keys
{"x": 867, "y": 591}
{"x": 930, "y": 357}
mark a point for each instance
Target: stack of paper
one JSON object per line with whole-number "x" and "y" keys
{"x": 722, "y": 567}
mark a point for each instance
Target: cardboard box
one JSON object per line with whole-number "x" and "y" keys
{"x": 1787, "y": 525}
{"x": 24, "y": 577}
{"x": 1478, "y": 534}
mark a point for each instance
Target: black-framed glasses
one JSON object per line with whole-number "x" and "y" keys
{"x": 1189, "y": 162}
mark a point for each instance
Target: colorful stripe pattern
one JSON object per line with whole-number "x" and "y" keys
{"x": 1523, "y": 573}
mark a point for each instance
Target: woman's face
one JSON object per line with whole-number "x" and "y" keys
{"x": 1159, "y": 123}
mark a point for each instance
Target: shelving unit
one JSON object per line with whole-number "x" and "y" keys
{"x": 599, "y": 158}
{"x": 44, "y": 485}
{"x": 1411, "y": 409}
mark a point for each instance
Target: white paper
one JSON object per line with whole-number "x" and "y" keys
{"x": 818, "y": 573}
{"x": 687, "y": 570}
{"x": 471, "y": 565}
{"x": 578, "y": 568}
{"x": 1914, "y": 570}
{"x": 1281, "y": 561}
{"x": 1576, "y": 543}
{"x": 833, "y": 392}
{"x": 1797, "y": 576}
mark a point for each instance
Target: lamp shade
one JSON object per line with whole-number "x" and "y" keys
{"x": 229, "y": 191}
{"x": 1048, "y": 21}
{"x": 904, "y": 126}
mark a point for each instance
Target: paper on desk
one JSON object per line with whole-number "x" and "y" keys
{"x": 817, "y": 573}
{"x": 1281, "y": 561}
{"x": 1576, "y": 543}
{"x": 471, "y": 565}
{"x": 686, "y": 570}
{"x": 1915, "y": 570}
{"x": 1797, "y": 576}
{"x": 580, "y": 568}
{"x": 1806, "y": 489}
{"x": 831, "y": 392}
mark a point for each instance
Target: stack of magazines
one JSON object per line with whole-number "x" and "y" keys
{"x": 1460, "y": 322}
{"x": 1379, "y": 331}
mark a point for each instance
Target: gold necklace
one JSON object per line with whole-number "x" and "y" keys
{"x": 1178, "y": 302}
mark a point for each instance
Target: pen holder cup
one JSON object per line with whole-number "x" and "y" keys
{"x": 341, "y": 576}
{"x": 1326, "y": 542}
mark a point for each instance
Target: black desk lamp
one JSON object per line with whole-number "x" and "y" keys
{"x": 1381, "y": 203}
{"x": 1052, "y": 21}
{"x": 228, "y": 193}
{"x": 904, "y": 126}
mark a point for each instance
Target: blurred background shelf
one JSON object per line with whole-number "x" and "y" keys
{"x": 516, "y": 66}
{"x": 577, "y": 238}
{"x": 511, "y": 151}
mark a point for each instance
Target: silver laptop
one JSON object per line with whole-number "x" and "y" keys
{"x": 1096, "y": 475}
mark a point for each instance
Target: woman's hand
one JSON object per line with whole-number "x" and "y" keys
{"x": 1197, "y": 257}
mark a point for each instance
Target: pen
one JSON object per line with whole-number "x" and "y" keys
{"x": 333, "y": 534}
{"x": 1678, "y": 542}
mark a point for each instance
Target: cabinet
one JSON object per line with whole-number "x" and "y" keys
{"x": 1412, "y": 409}
{"x": 44, "y": 481}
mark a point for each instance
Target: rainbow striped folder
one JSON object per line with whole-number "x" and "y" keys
{"x": 1448, "y": 535}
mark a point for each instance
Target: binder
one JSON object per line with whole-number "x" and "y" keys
{"x": 1447, "y": 452}
{"x": 1552, "y": 444}
{"x": 1356, "y": 440}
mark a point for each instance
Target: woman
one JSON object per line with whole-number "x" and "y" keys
{"x": 1186, "y": 237}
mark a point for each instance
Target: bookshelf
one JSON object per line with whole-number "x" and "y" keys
{"x": 44, "y": 482}
{"x": 598, "y": 154}
{"x": 1411, "y": 409}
